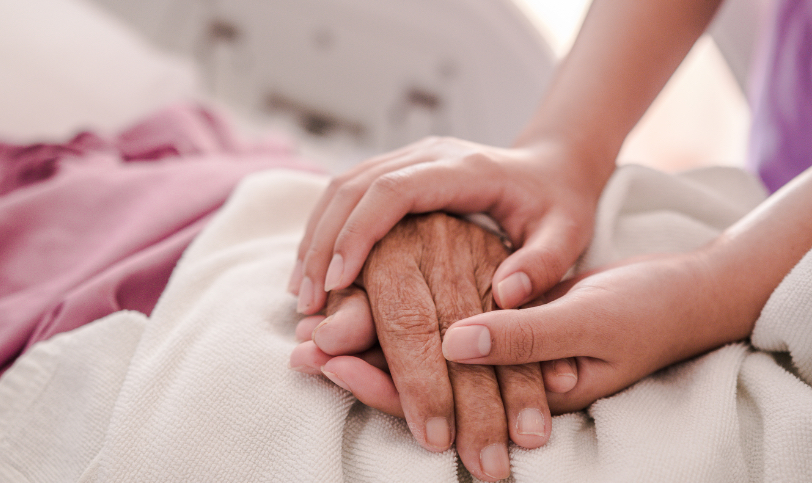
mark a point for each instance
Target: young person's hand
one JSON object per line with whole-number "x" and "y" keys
{"x": 629, "y": 320}
{"x": 544, "y": 198}
{"x": 620, "y": 324}
{"x": 542, "y": 192}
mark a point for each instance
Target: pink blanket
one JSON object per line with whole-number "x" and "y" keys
{"x": 96, "y": 225}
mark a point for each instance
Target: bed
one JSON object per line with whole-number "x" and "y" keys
{"x": 182, "y": 374}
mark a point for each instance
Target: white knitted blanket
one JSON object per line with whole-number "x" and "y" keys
{"x": 201, "y": 390}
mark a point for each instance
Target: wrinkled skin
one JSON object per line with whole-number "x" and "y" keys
{"x": 427, "y": 273}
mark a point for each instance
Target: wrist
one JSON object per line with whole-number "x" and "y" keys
{"x": 734, "y": 296}
{"x": 587, "y": 166}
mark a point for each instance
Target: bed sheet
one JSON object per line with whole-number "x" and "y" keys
{"x": 96, "y": 224}
{"x": 201, "y": 390}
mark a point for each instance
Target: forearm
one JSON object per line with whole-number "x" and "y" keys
{"x": 623, "y": 56}
{"x": 752, "y": 257}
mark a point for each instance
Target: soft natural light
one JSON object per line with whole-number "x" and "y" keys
{"x": 701, "y": 118}
{"x": 559, "y": 19}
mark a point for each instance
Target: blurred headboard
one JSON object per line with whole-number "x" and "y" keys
{"x": 67, "y": 66}
{"x": 378, "y": 72}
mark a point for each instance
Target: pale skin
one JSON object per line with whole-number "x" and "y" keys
{"x": 543, "y": 191}
{"x": 628, "y": 320}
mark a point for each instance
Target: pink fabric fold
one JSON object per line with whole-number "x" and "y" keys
{"x": 97, "y": 224}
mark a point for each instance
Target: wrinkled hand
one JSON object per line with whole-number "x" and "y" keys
{"x": 543, "y": 196}
{"x": 621, "y": 324}
{"x": 427, "y": 273}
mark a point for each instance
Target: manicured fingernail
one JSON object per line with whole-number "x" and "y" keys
{"x": 316, "y": 330}
{"x": 334, "y": 273}
{"x": 514, "y": 290}
{"x": 530, "y": 421}
{"x": 469, "y": 342}
{"x": 438, "y": 434}
{"x": 495, "y": 461}
{"x": 563, "y": 368}
{"x": 305, "y": 295}
{"x": 566, "y": 373}
{"x": 338, "y": 382}
{"x": 295, "y": 278}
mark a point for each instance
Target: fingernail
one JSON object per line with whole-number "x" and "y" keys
{"x": 305, "y": 295}
{"x": 315, "y": 331}
{"x": 563, "y": 368}
{"x": 297, "y": 368}
{"x": 334, "y": 272}
{"x": 514, "y": 290}
{"x": 438, "y": 434}
{"x": 469, "y": 342}
{"x": 338, "y": 382}
{"x": 530, "y": 421}
{"x": 295, "y": 278}
{"x": 495, "y": 462}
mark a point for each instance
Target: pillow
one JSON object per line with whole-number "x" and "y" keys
{"x": 70, "y": 66}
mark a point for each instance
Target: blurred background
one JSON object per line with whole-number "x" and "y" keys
{"x": 702, "y": 117}
{"x": 350, "y": 78}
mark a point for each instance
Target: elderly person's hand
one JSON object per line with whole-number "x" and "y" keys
{"x": 429, "y": 272}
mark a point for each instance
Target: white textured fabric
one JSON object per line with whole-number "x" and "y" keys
{"x": 201, "y": 391}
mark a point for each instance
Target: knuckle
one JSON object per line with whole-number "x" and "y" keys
{"x": 522, "y": 342}
{"x": 351, "y": 190}
{"x": 480, "y": 410}
{"x": 549, "y": 266}
{"x": 351, "y": 231}
{"x": 435, "y": 226}
{"x": 315, "y": 252}
{"x": 524, "y": 377}
{"x": 479, "y": 161}
{"x": 522, "y": 385}
{"x": 391, "y": 184}
{"x": 476, "y": 384}
{"x": 423, "y": 379}
{"x": 417, "y": 363}
{"x": 452, "y": 312}
{"x": 396, "y": 248}
{"x": 410, "y": 326}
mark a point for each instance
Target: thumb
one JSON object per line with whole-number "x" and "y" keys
{"x": 564, "y": 328}
{"x": 540, "y": 263}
